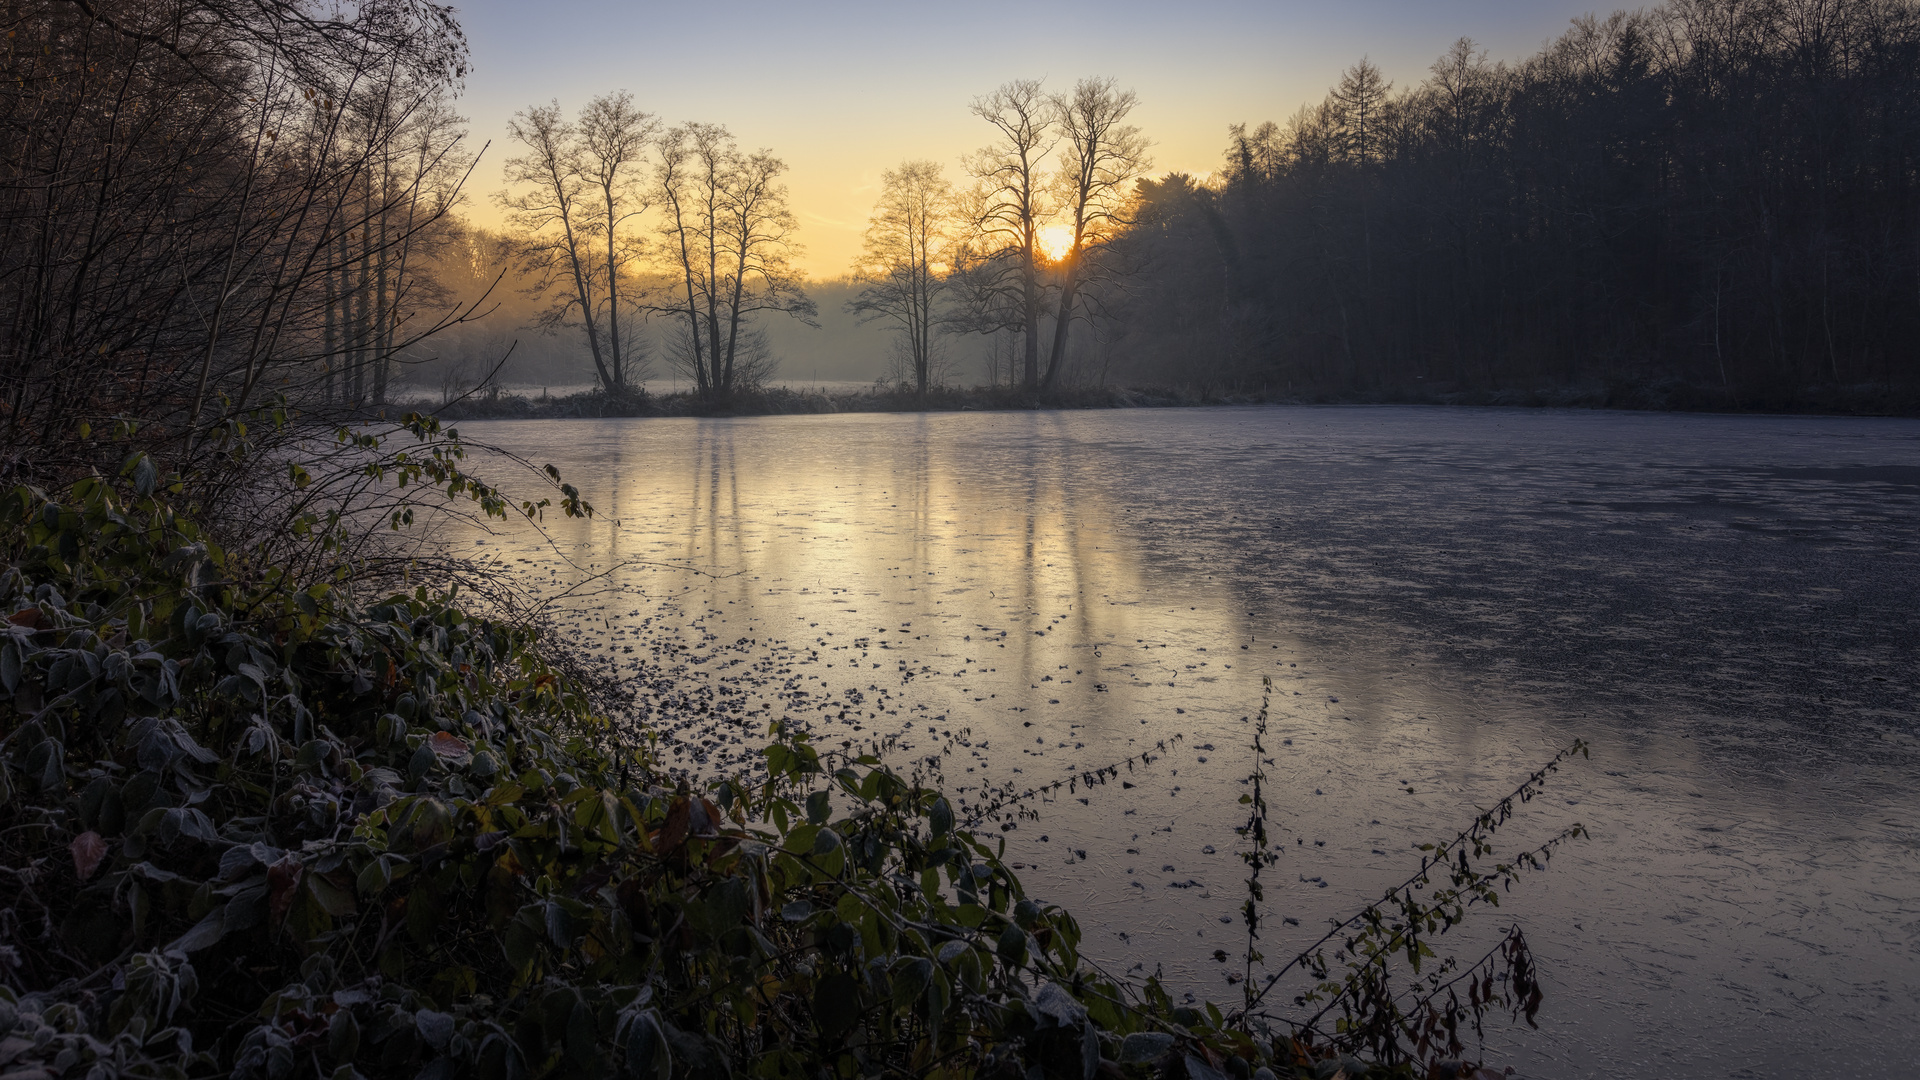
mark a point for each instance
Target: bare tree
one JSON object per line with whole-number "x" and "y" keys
{"x": 1100, "y": 157}
{"x": 999, "y": 263}
{"x": 613, "y": 137}
{"x": 692, "y": 158}
{"x": 420, "y": 176}
{"x": 754, "y": 359}
{"x": 551, "y": 207}
{"x": 728, "y": 238}
{"x": 908, "y": 252}
{"x": 1462, "y": 90}
{"x": 1360, "y": 102}
{"x": 182, "y": 184}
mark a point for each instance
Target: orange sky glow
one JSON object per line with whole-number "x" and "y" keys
{"x": 845, "y": 91}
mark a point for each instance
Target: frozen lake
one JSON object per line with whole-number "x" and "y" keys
{"x": 1727, "y": 608}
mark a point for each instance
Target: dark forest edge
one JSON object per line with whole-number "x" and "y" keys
{"x": 1699, "y": 194}
{"x": 1696, "y": 205}
{"x": 784, "y": 401}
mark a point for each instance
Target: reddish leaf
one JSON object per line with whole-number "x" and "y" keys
{"x": 88, "y": 849}
{"x": 283, "y": 878}
{"x": 704, "y": 819}
{"x": 448, "y": 746}
{"x": 674, "y": 832}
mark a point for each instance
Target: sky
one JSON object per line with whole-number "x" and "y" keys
{"x": 844, "y": 91}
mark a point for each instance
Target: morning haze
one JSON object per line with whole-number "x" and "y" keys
{"x": 844, "y": 92}
{"x": 1408, "y": 195}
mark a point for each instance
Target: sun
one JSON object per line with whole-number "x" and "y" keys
{"x": 1055, "y": 241}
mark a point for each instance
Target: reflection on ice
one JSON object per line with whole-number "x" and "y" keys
{"x": 1723, "y": 606}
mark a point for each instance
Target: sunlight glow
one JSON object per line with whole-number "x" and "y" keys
{"x": 1055, "y": 241}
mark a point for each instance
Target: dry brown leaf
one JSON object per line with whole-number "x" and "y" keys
{"x": 673, "y": 832}
{"x": 88, "y": 850}
{"x": 447, "y": 745}
{"x": 283, "y": 878}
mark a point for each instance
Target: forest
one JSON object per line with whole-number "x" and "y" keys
{"x": 1702, "y": 204}
{"x": 1696, "y": 205}
{"x": 1715, "y": 195}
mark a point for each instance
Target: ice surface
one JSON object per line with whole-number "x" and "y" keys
{"x": 1724, "y": 606}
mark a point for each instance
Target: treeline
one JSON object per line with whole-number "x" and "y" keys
{"x": 643, "y": 240}
{"x": 1714, "y": 193}
{"x": 206, "y": 203}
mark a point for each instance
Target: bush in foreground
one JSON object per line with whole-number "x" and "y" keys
{"x": 260, "y": 826}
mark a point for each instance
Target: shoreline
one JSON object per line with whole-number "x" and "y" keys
{"x": 399, "y": 840}
{"x": 781, "y": 401}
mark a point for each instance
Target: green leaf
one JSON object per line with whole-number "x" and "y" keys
{"x": 146, "y": 475}
{"x": 521, "y": 944}
{"x": 1144, "y": 1047}
{"x": 836, "y": 1005}
{"x": 209, "y": 930}
{"x": 583, "y": 1035}
{"x": 648, "y": 1055}
{"x": 559, "y": 924}
{"x": 911, "y": 976}
{"x": 332, "y": 899}
{"x": 939, "y": 996}
{"x": 1026, "y": 913}
{"x": 343, "y": 1037}
{"x": 1013, "y": 945}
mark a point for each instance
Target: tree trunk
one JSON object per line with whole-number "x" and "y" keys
{"x": 329, "y": 354}
{"x": 383, "y": 309}
{"x": 613, "y": 304}
{"x": 362, "y": 316}
{"x": 1030, "y": 360}
{"x": 1063, "y": 322}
